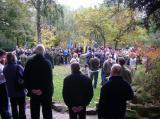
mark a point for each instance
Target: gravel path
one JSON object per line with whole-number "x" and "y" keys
{"x": 57, "y": 115}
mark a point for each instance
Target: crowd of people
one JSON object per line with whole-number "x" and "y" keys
{"x": 59, "y": 55}
{"x": 33, "y": 78}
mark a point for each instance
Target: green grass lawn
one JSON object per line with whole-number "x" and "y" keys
{"x": 59, "y": 73}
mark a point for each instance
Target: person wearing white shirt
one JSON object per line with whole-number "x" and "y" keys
{"x": 133, "y": 63}
{"x": 74, "y": 59}
{"x": 4, "y": 103}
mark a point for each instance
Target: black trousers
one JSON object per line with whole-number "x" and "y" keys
{"x": 46, "y": 103}
{"x": 4, "y": 102}
{"x": 18, "y": 107}
{"x": 79, "y": 115}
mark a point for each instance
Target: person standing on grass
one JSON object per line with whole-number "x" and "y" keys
{"x": 133, "y": 63}
{"x": 89, "y": 55}
{"x": 114, "y": 95}
{"x": 74, "y": 58}
{"x": 107, "y": 69}
{"x": 77, "y": 92}
{"x": 38, "y": 80}
{"x": 94, "y": 64}
{"x": 4, "y": 102}
{"x": 85, "y": 70}
{"x": 12, "y": 71}
{"x": 125, "y": 72}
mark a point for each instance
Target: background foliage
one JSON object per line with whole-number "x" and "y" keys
{"x": 116, "y": 23}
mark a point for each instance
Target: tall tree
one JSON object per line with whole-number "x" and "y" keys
{"x": 47, "y": 9}
{"x": 15, "y": 22}
{"x": 150, "y": 10}
{"x": 109, "y": 24}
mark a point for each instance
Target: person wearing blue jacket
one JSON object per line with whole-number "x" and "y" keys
{"x": 12, "y": 71}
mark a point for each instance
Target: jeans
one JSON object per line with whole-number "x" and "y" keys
{"x": 80, "y": 115}
{"x": 46, "y": 103}
{"x": 15, "y": 103}
{"x": 65, "y": 59}
{"x": 4, "y": 102}
{"x": 94, "y": 76}
{"x": 103, "y": 76}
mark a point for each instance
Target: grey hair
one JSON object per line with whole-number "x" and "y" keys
{"x": 40, "y": 49}
{"x": 116, "y": 70}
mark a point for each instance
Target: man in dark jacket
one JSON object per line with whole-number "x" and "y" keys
{"x": 125, "y": 72}
{"x": 113, "y": 97}
{"x": 94, "y": 64}
{"x": 89, "y": 56}
{"x": 49, "y": 58}
{"x": 38, "y": 80}
{"x": 77, "y": 92}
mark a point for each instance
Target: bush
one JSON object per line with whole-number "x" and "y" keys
{"x": 146, "y": 84}
{"x": 154, "y": 82}
{"x": 140, "y": 82}
{"x": 7, "y": 45}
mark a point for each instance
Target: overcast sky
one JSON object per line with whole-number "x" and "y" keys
{"x": 74, "y": 4}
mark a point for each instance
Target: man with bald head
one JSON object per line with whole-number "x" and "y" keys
{"x": 38, "y": 80}
{"x": 77, "y": 92}
{"x": 114, "y": 95}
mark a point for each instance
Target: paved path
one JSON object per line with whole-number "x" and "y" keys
{"x": 57, "y": 115}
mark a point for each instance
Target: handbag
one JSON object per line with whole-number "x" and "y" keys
{"x": 19, "y": 80}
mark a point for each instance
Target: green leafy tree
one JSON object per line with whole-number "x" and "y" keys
{"x": 15, "y": 22}
{"x": 117, "y": 25}
{"x": 46, "y": 9}
{"x": 150, "y": 10}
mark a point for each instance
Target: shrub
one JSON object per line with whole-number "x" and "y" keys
{"x": 154, "y": 82}
{"x": 140, "y": 82}
{"x": 146, "y": 84}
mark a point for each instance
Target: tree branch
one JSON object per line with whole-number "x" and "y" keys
{"x": 123, "y": 31}
{"x": 34, "y": 3}
{"x": 153, "y": 7}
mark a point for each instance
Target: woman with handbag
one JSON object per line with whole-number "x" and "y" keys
{"x": 13, "y": 73}
{"x": 4, "y": 102}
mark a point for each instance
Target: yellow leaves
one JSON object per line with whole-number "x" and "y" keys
{"x": 115, "y": 24}
{"x": 151, "y": 52}
{"x": 48, "y": 37}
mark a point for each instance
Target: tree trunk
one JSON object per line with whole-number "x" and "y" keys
{"x": 116, "y": 44}
{"x": 39, "y": 23}
{"x": 104, "y": 40}
{"x": 103, "y": 37}
{"x": 104, "y": 44}
{"x": 17, "y": 42}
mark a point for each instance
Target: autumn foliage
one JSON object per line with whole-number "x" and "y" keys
{"x": 152, "y": 72}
